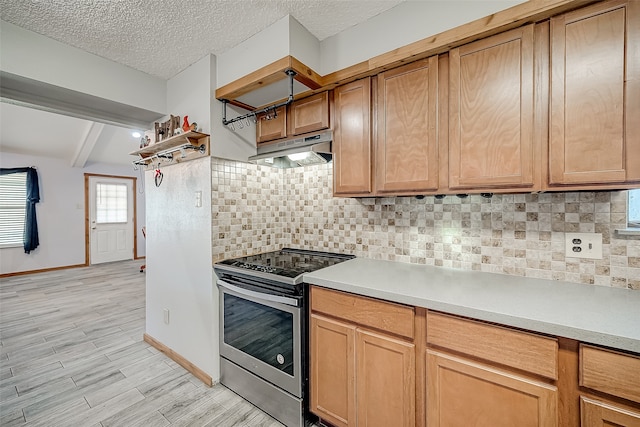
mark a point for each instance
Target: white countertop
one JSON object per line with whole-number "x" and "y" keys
{"x": 592, "y": 314}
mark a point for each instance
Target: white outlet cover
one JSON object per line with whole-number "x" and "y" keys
{"x": 583, "y": 245}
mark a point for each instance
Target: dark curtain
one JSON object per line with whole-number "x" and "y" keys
{"x": 30, "y": 239}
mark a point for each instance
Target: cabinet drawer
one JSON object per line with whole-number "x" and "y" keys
{"x": 521, "y": 350}
{"x": 610, "y": 372}
{"x": 385, "y": 316}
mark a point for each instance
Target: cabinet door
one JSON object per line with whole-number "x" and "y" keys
{"x": 406, "y": 140}
{"x": 462, "y": 393}
{"x": 595, "y": 95}
{"x": 269, "y": 128}
{"x": 385, "y": 381}
{"x": 600, "y": 414}
{"x": 352, "y": 139}
{"x": 491, "y": 85}
{"x": 309, "y": 114}
{"x": 332, "y": 376}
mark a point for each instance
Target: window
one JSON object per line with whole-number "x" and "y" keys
{"x": 634, "y": 208}
{"x": 111, "y": 203}
{"x": 13, "y": 199}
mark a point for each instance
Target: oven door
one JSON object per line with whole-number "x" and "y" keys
{"x": 262, "y": 333}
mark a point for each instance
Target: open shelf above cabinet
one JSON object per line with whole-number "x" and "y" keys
{"x": 179, "y": 148}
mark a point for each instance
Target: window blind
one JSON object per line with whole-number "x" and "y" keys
{"x": 13, "y": 198}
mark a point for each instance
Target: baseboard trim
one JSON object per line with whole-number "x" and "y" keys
{"x": 197, "y": 372}
{"x": 42, "y": 270}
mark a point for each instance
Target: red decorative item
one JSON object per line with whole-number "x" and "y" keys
{"x": 185, "y": 126}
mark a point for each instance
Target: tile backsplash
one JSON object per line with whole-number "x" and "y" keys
{"x": 257, "y": 208}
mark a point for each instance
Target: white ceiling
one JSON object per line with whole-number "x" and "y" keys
{"x": 78, "y": 142}
{"x": 160, "y": 38}
{"x": 164, "y": 37}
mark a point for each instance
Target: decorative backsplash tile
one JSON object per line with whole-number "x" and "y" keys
{"x": 258, "y": 208}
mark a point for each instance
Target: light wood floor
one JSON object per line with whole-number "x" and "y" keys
{"x": 71, "y": 354}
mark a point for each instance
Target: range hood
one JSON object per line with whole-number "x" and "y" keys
{"x": 301, "y": 151}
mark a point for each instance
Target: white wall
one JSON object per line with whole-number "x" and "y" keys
{"x": 60, "y": 213}
{"x": 262, "y": 49}
{"x": 188, "y": 94}
{"x": 303, "y": 45}
{"x": 40, "y": 58}
{"x": 406, "y": 23}
{"x": 179, "y": 269}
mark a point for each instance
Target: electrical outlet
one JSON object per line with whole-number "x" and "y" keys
{"x": 165, "y": 312}
{"x": 583, "y": 245}
{"x": 198, "y": 199}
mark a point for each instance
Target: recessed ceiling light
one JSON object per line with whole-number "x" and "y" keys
{"x": 136, "y": 134}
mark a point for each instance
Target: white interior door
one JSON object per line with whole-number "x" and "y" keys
{"x": 110, "y": 219}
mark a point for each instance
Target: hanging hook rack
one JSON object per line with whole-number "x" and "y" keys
{"x": 168, "y": 154}
{"x": 253, "y": 114}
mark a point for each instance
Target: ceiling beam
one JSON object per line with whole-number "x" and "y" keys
{"x": 86, "y": 145}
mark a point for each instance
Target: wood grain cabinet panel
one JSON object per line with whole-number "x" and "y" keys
{"x": 491, "y": 104}
{"x": 406, "y": 141}
{"x": 600, "y": 414}
{"x": 610, "y": 372}
{"x": 309, "y": 114}
{"x": 463, "y": 393}
{"x": 525, "y": 351}
{"x": 385, "y": 381}
{"x": 332, "y": 371}
{"x": 352, "y": 156}
{"x": 360, "y": 376}
{"x": 595, "y": 95}
{"x": 385, "y": 316}
{"x": 273, "y": 128}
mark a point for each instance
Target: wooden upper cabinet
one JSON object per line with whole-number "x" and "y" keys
{"x": 302, "y": 116}
{"x": 595, "y": 95}
{"x": 309, "y": 114}
{"x": 269, "y": 128}
{"x": 352, "y": 157}
{"x": 491, "y": 106}
{"x": 406, "y": 152}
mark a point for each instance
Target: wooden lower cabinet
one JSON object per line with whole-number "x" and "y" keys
{"x": 362, "y": 361}
{"x": 332, "y": 373}
{"x": 615, "y": 375}
{"x": 359, "y": 377}
{"x": 461, "y": 392}
{"x": 600, "y": 414}
{"x": 378, "y": 363}
{"x": 385, "y": 381}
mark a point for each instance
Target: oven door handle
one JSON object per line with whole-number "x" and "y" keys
{"x": 259, "y": 295}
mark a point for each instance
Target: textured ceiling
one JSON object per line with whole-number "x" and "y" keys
{"x": 162, "y": 38}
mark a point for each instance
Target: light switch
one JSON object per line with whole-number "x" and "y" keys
{"x": 198, "y": 199}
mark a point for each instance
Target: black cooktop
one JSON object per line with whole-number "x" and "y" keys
{"x": 287, "y": 262}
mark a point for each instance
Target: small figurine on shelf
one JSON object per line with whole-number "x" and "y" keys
{"x": 189, "y": 127}
{"x": 144, "y": 141}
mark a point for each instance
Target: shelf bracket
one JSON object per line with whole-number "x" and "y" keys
{"x": 253, "y": 114}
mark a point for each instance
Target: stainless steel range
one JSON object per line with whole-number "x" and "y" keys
{"x": 263, "y": 329}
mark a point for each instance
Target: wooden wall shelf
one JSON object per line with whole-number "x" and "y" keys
{"x": 179, "y": 148}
